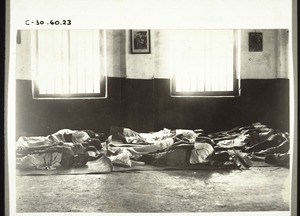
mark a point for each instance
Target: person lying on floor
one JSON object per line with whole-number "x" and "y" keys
{"x": 278, "y": 159}
{"x": 200, "y": 153}
{"x": 121, "y": 156}
{"x": 177, "y": 154}
{"x": 86, "y": 138}
{"x": 276, "y": 142}
{"x": 241, "y": 137}
{"x": 275, "y": 150}
{"x": 127, "y": 135}
{"x": 179, "y": 147}
{"x": 77, "y": 136}
{"x": 64, "y": 155}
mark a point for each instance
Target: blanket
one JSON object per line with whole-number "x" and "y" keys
{"x": 128, "y": 150}
{"x": 99, "y": 166}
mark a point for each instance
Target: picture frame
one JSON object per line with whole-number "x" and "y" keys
{"x": 255, "y": 42}
{"x": 140, "y": 41}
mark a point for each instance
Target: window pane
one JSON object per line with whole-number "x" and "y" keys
{"x": 50, "y": 57}
{"x": 68, "y": 62}
{"x": 203, "y": 60}
{"x": 84, "y": 61}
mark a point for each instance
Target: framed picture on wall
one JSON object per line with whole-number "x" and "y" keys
{"x": 140, "y": 41}
{"x": 255, "y": 42}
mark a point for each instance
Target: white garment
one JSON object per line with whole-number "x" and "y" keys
{"x": 123, "y": 158}
{"x": 258, "y": 125}
{"x": 47, "y": 161}
{"x": 146, "y": 149}
{"x": 25, "y": 142}
{"x": 242, "y": 140}
{"x": 201, "y": 153}
{"x": 149, "y": 138}
{"x": 187, "y": 134}
{"x": 77, "y": 136}
{"x": 156, "y": 136}
{"x": 165, "y": 143}
{"x": 59, "y": 135}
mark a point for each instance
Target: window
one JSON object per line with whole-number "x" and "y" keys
{"x": 204, "y": 63}
{"x": 68, "y": 64}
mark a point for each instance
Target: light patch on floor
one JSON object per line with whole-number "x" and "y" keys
{"x": 256, "y": 189}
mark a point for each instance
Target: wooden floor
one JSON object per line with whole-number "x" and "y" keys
{"x": 256, "y": 189}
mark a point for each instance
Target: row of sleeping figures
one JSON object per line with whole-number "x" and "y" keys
{"x": 238, "y": 147}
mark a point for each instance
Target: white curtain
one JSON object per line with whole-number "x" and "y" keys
{"x": 203, "y": 60}
{"x": 68, "y": 61}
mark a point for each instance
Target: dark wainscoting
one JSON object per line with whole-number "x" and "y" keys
{"x": 146, "y": 105}
{"x": 265, "y": 101}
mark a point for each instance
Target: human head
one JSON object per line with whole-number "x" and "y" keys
{"x": 68, "y": 137}
{"x": 80, "y": 160}
{"x": 90, "y": 133}
{"x": 200, "y": 132}
{"x": 94, "y": 135}
{"x": 95, "y": 142}
{"x": 100, "y": 136}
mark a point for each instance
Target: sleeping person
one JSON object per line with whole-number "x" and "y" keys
{"x": 60, "y": 155}
{"x": 76, "y": 136}
{"x": 65, "y": 148}
{"x": 84, "y": 137}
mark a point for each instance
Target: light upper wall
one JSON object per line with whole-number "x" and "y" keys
{"x": 140, "y": 66}
{"x": 271, "y": 63}
{"x": 116, "y": 53}
{"x": 23, "y": 56}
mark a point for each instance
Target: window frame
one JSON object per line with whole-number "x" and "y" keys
{"x": 103, "y": 75}
{"x": 236, "y": 77}
{"x": 101, "y": 95}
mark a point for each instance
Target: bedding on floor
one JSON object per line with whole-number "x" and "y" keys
{"x": 83, "y": 151}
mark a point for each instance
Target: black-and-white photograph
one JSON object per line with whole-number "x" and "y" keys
{"x": 177, "y": 117}
{"x": 210, "y": 131}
